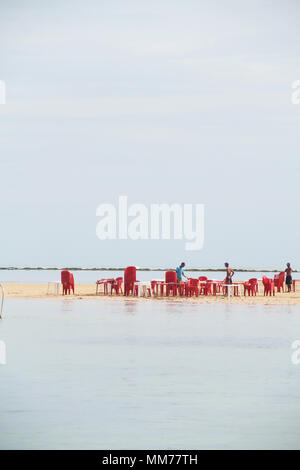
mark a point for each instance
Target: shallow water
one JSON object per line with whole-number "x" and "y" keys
{"x": 148, "y": 374}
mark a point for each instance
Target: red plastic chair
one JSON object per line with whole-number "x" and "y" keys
{"x": 202, "y": 287}
{"x": 210, "y": 288}
{"x": 130, "y": 280}
{"x": 67, "y": 280}
{"x": 202, "y": 284}
{"x": 157, "y": 288}
{"x": 279, "y": 281}
{"x": 182, "y": 288}
{"x": 251, "y": 286}
{"x": 117, "y": 285}
{"x": 269, "y": 287}
{"x": 72, "y": 284}
{"x": 171, "y": 283}
{"x": 192, "y": 287}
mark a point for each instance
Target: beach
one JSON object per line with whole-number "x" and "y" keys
{"x": 88, "y": 291}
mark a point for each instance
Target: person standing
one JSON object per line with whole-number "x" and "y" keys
{"x": 229, "y": 274}
{"x": 288, "y": 278}
{"x": 180, "y": 272}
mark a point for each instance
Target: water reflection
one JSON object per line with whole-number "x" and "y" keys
{"x": 130, "y": 306}
{"x": 66, "y": 305}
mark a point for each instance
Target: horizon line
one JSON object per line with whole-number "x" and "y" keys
{"x": 78, "y": 268}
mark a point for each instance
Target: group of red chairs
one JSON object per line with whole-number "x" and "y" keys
{"x": 271, "y": 284}
{"x": 116, "y": 285}
{"x": 170, "y": 286}
{"x": 192, "y": 287}
{"x": 251, "y": 286}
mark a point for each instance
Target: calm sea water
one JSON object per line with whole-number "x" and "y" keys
{"x": 148, "y": 374}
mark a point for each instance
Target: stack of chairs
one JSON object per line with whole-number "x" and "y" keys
{"x": 67, "y": 280}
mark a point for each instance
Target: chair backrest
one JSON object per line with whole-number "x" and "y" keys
{"x": 194, "y": 282}
{"x": 170, "y": 276}
{"x": 119, "y": 281}
{"x": 253, "y": 281}
{"x": 282, "y": 276}
{"x": 202, "y": 278}
{"x": 265, "y": 280}
{"x": 130, "y": 274}
{"x": 71, "y": 279}
{"x": 65, "y": 277}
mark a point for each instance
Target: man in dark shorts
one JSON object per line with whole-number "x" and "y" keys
{"x": 288, "y": 279}
{"x": 229, "y": 274}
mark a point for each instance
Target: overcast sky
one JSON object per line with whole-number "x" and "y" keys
{"x": 162, "y": 101}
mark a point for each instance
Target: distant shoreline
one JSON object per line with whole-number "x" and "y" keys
{"x": 71, "y": 268}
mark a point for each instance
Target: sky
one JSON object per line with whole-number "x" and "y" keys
{"x": 161, "y": 101}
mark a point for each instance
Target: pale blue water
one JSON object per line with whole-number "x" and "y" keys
{"x": 152, "y": 374}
